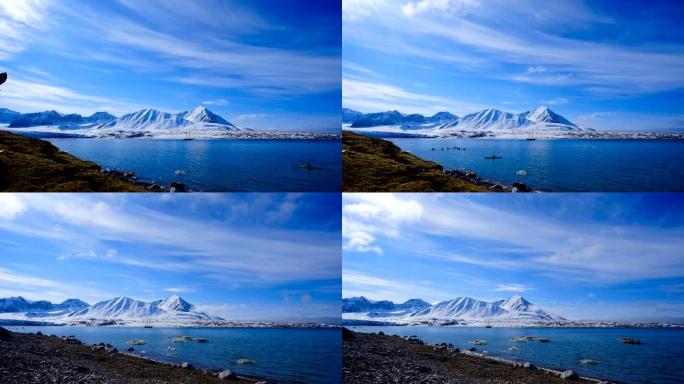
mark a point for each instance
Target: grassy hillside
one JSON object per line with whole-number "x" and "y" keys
{"x": 375, "y": 165}
{"x": 33, "y": 165}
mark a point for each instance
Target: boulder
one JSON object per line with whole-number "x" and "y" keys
{"x": 227, "y": 375}
{"x": 187, "y": 365}
{"x": 529, "y": 365}
{"x": 569, "y": 375}
{"x": 521, "y": 187}
{"x": 179, "y": 187}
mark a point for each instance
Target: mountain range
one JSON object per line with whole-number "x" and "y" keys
{"x": 198, "y": 119}
{"x": 460, "y": 308}
{"x": 444, "y": 123}
{"x": 118, "y": 308}
{"x": 19, "y": 304}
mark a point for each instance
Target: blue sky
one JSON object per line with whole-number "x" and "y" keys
{"x": 608, "y": 65}
{"x": 259, "y": 64}
{"x": 582, "y": 256}
{"x": 239, "y": 256}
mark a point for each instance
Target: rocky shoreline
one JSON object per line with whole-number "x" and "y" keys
{"x": 37, "y": 358}
{"x": 379, "y": 358}
{"x": 491, "y": 185}
{"x": 130, "y": 177}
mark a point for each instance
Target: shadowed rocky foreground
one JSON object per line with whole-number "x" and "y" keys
{"x": 378, "y": 358}
{"x": 36, "y": 358}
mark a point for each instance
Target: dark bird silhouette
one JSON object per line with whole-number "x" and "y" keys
{"x": 3, "y": 77}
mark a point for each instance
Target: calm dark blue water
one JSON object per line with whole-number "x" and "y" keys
{"x": 658, "y": 360}
{"x": 564, "y": 165}
{"x": 281, "y": 355}
{"x": 220, "y": 165}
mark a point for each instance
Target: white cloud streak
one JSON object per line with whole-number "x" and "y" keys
{"x": 83, "y": 223}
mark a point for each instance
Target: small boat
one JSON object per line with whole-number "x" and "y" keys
{"x": 531, "y": 136}
{"x": 627, "y": 340}
{"x": 200, "y": 339}
{"x": 543, "y": 340}
{"x": 493, "y": 157}
{"x": 137, "y": 342}
{"x": 478, "y": 342}
{"x": 488, "y": 326}
{"x": 187, "y": 136}
{"x": 310, "y": 167}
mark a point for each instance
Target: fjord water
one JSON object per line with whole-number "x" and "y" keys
{"x": 220, "y": 165}
{"x": 283, "y": 355}
{"x": 655, "y": 361}
{"x": 565, "y": 165}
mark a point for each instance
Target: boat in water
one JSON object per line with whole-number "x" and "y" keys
{"x": 310, "y": 167}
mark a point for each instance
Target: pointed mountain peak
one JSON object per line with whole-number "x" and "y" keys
{"x": 175, "y": 303}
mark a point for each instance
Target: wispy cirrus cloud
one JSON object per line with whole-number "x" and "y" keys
{"x": 85, "y": 225}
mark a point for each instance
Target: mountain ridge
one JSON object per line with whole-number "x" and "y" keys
{"x": 119, "y": 308}
{"x": 516, "y": 307}
{"x": 445, "y": 123}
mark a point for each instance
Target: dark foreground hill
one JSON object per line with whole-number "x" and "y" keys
{"x": 375, "y": 165}
{"x": 34, "y": 165}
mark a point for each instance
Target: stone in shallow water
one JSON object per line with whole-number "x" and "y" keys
{"x": 227, "y": 375}
{"x": 569, "y": 375}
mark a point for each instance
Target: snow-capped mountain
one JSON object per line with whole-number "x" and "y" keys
{"x": 350, "y": 115}
{"x": 199, "y": 119}
{"x": 461, "y": 308}
{"x": 515, "y": 308}
{"x": 410, "y": 121}
{"x": 545, "y": 115}
{"x": 7, "y": 115}
{"x": 55, "y": 118}
{"x": 20, "y": 304}
{"x": 540, "y": 120}
{"x": 176, "y": 303}
{"x": 126, "y": 308}
{"x": 362, "y": 304}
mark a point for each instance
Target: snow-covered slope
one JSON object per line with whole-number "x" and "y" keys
{"x": 198, "y": 120}
{"x": 176, "y": 303}
{"x": 539, "y": 122}
{"x": 461, "y": 308}
{"x": 514, "y": 309}
{"x": 131, "y": 309}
